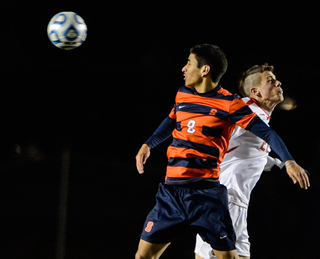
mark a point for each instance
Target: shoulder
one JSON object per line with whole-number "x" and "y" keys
{"x": 223, "y": 91}
{"x": 225, "y": 94}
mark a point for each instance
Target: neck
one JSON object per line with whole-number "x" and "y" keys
{"x": 267, "y": 104}
{"x": 206, "y": 86}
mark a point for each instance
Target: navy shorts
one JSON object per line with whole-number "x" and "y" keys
{"x": 203, "y": 209}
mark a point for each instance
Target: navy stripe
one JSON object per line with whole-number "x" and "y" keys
{"x": 178, "y": 126}
{"x": 192, "y": 163}
{"x": 210, "y": 94}
{"x": 201, "y": 109}
{"x": 179, "y": 143}
{"x": 239, "y": 114}
{"x": 194, "y": 182}
{"x": 230, "y": 97}
{"x": 211, "y": 131}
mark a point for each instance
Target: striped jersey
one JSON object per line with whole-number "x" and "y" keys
{"x": 204, "y": 124}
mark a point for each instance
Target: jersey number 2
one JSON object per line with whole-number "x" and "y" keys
{"x": 265, "y": 147}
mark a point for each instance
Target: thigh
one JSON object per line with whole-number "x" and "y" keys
{"x": 239, "y": 220}
{"x": 226, "y": 254}
{"x": 149, "y": 250}
{"x": 213, "y": 221}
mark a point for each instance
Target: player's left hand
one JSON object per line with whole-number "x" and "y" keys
{"x": 298, "y": 174}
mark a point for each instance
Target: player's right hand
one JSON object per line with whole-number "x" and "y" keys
{"x": 298, "y": 174}
{"x": 141, "y": 158}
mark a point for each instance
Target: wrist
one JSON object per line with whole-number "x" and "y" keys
{"x": 145, "y": 145}
{"x": 289, "y": 162}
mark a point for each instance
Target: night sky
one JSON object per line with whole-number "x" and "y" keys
{"x": 104, "y": 99}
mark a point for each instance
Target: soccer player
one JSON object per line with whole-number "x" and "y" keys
{"x": 200, "y": 123}
{"x": 247, "y": 155}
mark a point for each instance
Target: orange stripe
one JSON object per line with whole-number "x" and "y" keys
{"x": 190, "y": 98}
{"x": 199, "y": 117}
{"x": 201, "y": 120}
{"x": 187, "y": 153}
{"x": 224, "y": 92}
{"x": 172, "y": 114}
{"x": 244, "y": 122}
{"x": 236, "y": 105}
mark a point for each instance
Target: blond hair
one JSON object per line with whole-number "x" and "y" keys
{"x": 252, "y": 78}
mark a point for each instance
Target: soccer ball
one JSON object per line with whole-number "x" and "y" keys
{"x": 67, "y": 30}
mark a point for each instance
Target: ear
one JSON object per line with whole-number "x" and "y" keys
{"x": 205, "y": 70}
{"x": 254, "y": 91}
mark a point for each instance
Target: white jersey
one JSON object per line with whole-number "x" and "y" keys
{"x": 245, "y": 159}
{"x": 241, "y": 168}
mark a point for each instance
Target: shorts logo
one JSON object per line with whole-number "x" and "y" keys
{"x": 149, "y": 226}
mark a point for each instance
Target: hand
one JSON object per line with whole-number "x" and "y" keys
{"x": 142, "y": 157}
{"x": 298, "y": 174}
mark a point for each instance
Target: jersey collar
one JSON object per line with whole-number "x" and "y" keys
{"x": 252, "y": 100}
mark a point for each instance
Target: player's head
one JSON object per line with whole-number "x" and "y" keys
{"x": 252, "y": 78}
{"x": 212, "y": 57}
{"x": 260, "y": 83}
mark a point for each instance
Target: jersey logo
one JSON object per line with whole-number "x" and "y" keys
{"x": 213, "y": 112}
{"x": 230, "y": 150}
{"x": 149, "y": 226}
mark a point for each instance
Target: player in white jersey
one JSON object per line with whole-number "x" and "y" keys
{"x": 247, "y": 155}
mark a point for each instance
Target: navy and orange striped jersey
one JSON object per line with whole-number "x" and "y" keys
{"x": 204, "y": 123}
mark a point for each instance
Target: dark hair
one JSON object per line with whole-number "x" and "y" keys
{"x": 208, "y": 54}
{"x": 245, "y": 83}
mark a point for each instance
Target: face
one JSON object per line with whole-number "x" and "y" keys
{"x": 192, "y": 74}
{"x": 270, "y": 88}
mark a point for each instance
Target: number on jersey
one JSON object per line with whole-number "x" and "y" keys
{"x": 190, "y": 126}
{"x": 265, "y": 147}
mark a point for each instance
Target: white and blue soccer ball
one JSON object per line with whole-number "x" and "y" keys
{"x": 67, "y": 30}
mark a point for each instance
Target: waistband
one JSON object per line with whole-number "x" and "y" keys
{"x": 202, "y": 184}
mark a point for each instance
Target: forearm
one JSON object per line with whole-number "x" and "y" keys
{"x": 163, "y": 132}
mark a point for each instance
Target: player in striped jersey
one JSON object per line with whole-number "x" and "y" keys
{"x": 247, "y": 155}
{"x": 200, "y": 123}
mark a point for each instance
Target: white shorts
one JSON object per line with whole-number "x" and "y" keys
{"x": 239, "y": 220}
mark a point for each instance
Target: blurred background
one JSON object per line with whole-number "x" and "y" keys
{"x": 73, "y": 121}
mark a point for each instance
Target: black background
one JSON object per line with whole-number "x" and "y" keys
{"x": 103, "y": 100}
